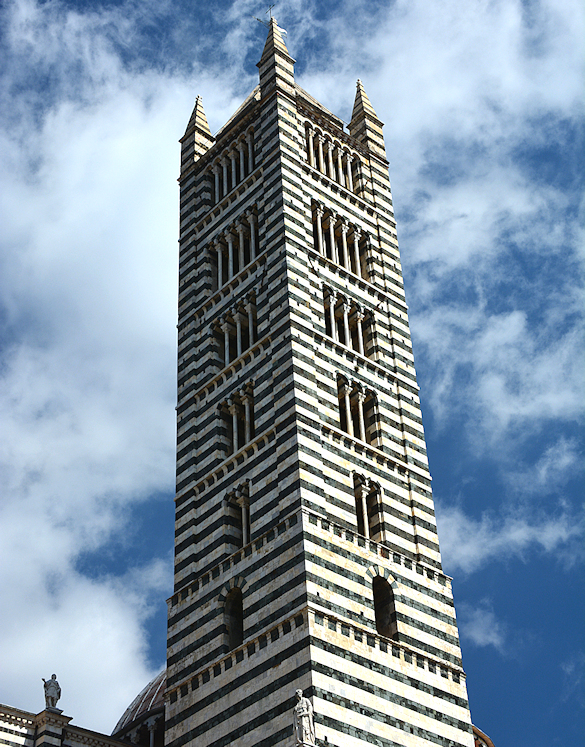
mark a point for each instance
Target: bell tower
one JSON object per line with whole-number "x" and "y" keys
{"x": 306, "y": 551}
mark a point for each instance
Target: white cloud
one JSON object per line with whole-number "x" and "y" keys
{"x": 478, "y": 624}
{"x": 469, "y": 543}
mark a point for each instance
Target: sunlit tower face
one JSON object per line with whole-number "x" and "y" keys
{"x": 306, "y": 549}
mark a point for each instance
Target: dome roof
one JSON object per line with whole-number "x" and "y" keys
{"x": 152, "y": 698}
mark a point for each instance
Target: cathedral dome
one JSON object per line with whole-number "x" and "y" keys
{"x": 148, "y": 702}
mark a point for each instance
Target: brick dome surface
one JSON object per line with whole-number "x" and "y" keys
{"x": 150, "y": 699}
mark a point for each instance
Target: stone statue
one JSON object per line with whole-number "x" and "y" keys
{"x": 52, "y": 691}
{"x": 303, "y": 722}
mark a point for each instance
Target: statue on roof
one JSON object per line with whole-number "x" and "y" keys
{"x": 52, "y": 691}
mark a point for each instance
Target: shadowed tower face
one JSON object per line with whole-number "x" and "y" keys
{"x": 306, "y": 550}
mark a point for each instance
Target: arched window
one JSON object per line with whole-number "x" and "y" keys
{"x": 234, "y": 618}
{"x": 384, "y": 609}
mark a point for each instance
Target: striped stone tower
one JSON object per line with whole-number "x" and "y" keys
{"x": 306, "y": 549}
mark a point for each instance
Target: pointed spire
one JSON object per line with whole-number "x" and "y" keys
{"x": 275, "y": 74}
{"x": 362, "y": 105}
{"x": 365, "y": 125}
{"x": 274, "y": 41}
{"x": 197, "y": 138}
{"x": 198, "y": 118}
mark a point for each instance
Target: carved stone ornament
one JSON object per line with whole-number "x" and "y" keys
{"x": 303, "y": 721}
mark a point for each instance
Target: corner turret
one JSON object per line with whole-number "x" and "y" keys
{"x": 197, "y": 138}
{"x": 365, "y": 125}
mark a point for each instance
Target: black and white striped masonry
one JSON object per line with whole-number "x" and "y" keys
{"x": 306, "y": 552}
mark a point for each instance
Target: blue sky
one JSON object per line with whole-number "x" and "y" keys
{"x": 483, "y": 105}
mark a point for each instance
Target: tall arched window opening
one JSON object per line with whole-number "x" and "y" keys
{"x": 384, "y": 609}
{"x": 234, "y": 618}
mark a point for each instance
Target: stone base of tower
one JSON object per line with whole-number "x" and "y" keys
{"x": 364, "y": 686}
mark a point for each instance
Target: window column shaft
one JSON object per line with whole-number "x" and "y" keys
{"x": 234, "y": 414}
{"x": 344, "y": 230}
{"x": 319, "y": 229}
{"x": 332, "y": 316}
{"x": 348, "y": 418}
{"x": 242, "y": 160}
{"x": 247, "y": 419}
{"x": 238, "y": 318}
{"x": 250, "y": 310}
{"x": 252, "y": 221}
{"x": 230, "y": 243}
{"x": 219, "y": 265}
{"x": 364, "y": 499}
{"x": 311, "y": 147}
{"x": 217, "y": 195}
{"x": 334, "y": 257}
{"x": 234, "y": 170}
{"x": 360, "y": 332}
{"x": 356, "y": 252}
{"x": 245, "y": 538}
{"x": 360, "y": 400}
{"x": 241, "y": 256}
{"x": 224, "y": 167}
{"x": 346, "y": 308}
{"x": 250, "y": 139}
{"x": 330, "y": 159}
{"x": 348, "y": 160}
{"x": 225, "y": 328}
{"x": 320, "y": 146}
{"x": 340, "y": 178}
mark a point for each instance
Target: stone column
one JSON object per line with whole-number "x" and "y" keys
{"x": 224, "y": 167}
{"x": 311, "y": 147}
{"x": 242, "y": 151}
{"x": 233, "y": 409}
{"x": 247, "y": 417}
{"x": 217, "y": 195}
{"x": 219, "y": 250}
{"x": 348, "y": 419}
{"x": 348, "y": 161}
{"x": 241, "y": 257}
{"x": 356, "y": 251}
{"x": 360, "y": 402}
{"x": 334, "y": 257}
{"x": 151, "y": 730}
{"x": 230, "y": 243}
{"x": 346, "y": 309}
{"x": 238, "y": 321}
{"x": 340, "y": 178}
{"x": 332, "y": 315}
{"x": 320, "y": 140}
{"x": 363, "y": 498}
{"x": 250, "y": 215}
{"x": 244, "y": 510}
{"x": 250, "y": 141}
{"x": 344, "y": 231}
{"x": 359, "y": 317}
{"x": 250, "y": 310}
{"x": 330, "y": 159}
{"x": 225, "y": 328}
{"x": 319, "y": 212}
{"x": 234, "y": 168}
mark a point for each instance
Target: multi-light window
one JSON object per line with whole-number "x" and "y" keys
{"x": 234, "y": 164}
{"x": 332, "y": 158}
{"x": 237, "y": 503}
{"x": 235, "y": 331}
{"x": 234, "y": 248}
{"x": 340, "y": 241}
{"x": 357, "y": 410}
{"x": 367, "y": 507}
{"x": 237, "y": 415}
{"x": 347, "y": 323}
